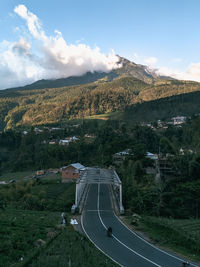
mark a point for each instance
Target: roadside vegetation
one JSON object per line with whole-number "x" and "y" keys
{"x": 180, "y": 236}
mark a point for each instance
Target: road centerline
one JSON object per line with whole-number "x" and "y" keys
{"x": 136, "y": 253}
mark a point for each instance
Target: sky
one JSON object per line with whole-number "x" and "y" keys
{"x": 62, "y": 38}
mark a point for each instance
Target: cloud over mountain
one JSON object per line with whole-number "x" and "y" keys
{"x": 55, "y": 58}
{"x": 192, "y": 72}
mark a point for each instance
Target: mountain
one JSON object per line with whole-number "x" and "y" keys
{"x": 128, "y": 69}
{"x": 53, "y": 101}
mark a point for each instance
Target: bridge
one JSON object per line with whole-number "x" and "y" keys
{"x": 97, "y": 175}
{"x": 94, "y": 192}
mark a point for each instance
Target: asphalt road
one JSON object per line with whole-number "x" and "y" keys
{"x": 124, "y": 247}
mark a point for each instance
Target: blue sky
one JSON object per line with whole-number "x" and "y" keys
{"x": 163, "y": 34}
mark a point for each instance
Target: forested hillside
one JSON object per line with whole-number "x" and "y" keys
{"x": 52, "y": 105}
{"x": 119, "y": 90}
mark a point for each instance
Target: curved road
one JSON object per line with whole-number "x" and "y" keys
{"x": 125, "y": 247}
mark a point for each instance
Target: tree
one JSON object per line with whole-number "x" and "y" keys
{"x": 166, "y": 146}
{"x": 138, "y": 170}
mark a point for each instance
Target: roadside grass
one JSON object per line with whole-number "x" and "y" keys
{"x": 71, "y": 249}
{"x": 180, "y": 236}
{"x": 15, "y": 175}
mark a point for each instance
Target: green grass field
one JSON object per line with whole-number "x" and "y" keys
{"x": 111, "y": 115}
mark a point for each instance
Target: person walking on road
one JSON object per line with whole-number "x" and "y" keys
{"x": 63, "y": 218}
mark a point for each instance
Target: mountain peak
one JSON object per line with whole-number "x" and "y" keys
{"x": 128, "y": 68}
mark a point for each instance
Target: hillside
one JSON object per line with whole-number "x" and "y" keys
{"x": 97, "y": 93}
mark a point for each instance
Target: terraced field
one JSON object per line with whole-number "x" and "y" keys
{"x": 21, "y": 230}
{"x": 36, "y": 238}
{"x": 71, "y": 249}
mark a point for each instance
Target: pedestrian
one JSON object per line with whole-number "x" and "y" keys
{"x": 63, "y": 218}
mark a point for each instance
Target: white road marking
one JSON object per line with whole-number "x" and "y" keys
{"x": 98, "y": 210}
{"x": 152, "y": 244}
{"x": 95, "y": 244}
{"x": 117, "y": 238}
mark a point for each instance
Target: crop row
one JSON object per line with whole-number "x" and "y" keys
{"x": 71, "y": 249}
{"x": 20, "y": 230}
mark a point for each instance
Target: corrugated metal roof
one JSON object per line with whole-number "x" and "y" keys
{"x": 78, "y": 166}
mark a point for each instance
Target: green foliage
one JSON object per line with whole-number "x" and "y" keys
{"x": 166, "y": 146}
{"x": 164, "y": 107}
{"x": 34, "y": 195}
{"x": 19, "y": 231}
{"x": 71, "y": 247}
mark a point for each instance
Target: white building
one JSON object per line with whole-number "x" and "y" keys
{"x": 178, "y": 120}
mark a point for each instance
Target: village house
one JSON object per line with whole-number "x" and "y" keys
{"x": 67, "y": 140}
{"x": 40, "y": 172}
{"x": 64, "y": 142}
{"x": 52, "y": 142}
{"x": 37, "y": 130}
{"x": 151, "y": 169}
{"x": 178, "y": 120}
{"x": 72, "y": 172}
{"x": 151, "y": 156}
{"x": 119, "y": 157}
{"x": 56, "y": 129}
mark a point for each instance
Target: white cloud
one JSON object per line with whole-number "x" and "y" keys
{"x": 151, "y": 61}
{"x": 19, "y": 65}
{"x": 191, "y": 73}
{"x": 32, "y": 21}
{"x": 141, "y": 59}
{"x": 194, "y": 70}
